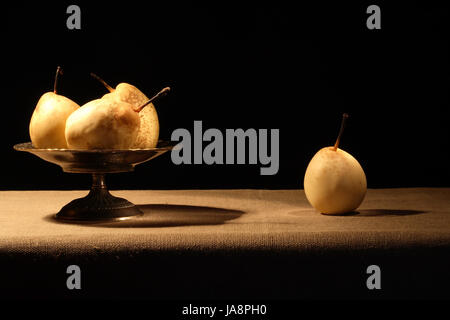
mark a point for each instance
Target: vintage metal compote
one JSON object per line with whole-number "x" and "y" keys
{"x": 99, "y": 204}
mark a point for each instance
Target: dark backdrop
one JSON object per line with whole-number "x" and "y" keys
{"x": 296, "y": 68}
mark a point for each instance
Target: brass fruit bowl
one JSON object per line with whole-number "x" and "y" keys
{"x": 99, "y": 204}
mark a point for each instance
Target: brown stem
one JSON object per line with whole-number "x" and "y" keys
{"x": 107, "y": 86}
{"x": 160, "y": 94}
{"x": 344, "y": 120}
{"x": 55, "y": 83}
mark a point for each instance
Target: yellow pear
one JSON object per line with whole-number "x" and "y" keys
{"x": 48, "y": 122}
{"x": 105, "y": 123}
{"x": 335, "y": 182}
{"x": 148, "y": 134}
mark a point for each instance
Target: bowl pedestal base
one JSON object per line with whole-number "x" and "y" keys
{"x": 98, "y": 205}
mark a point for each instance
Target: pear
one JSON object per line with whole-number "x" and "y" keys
{"x": 48, "y": 122}
{"x": 148, "y": 134}
{"x": 335, "y": 182}
{"x": 105, "y": 123}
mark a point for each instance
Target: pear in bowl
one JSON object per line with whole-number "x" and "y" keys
{"x": 48, "y": 122}
{"x": 148, "y": 134}
{"x": 106, "y": 123}
{"x": 102, "y": 124}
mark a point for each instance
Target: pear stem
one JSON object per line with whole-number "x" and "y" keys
{"x": 55, "y": 83}
{"x": 107, "y": 86}
{"x": 344, "y": 120}
{"x": 160, "y": 94}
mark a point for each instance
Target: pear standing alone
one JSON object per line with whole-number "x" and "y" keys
{"x": 335, "y": 182}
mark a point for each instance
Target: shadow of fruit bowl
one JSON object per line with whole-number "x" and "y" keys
{"x": 167, "y": 215}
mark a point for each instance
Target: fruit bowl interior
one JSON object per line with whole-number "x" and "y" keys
{"x": 99, "y": 204}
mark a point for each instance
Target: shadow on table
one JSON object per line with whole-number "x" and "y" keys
{"x": 168, "y": 215}
{"x": 370, "y": 213}
{"x": 387, "y": 212}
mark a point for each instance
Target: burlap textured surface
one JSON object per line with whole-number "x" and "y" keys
{"x": 228, "y": 244}
{"x": 227, "y": 219}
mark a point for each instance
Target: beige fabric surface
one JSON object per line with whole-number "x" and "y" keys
{"x": 227, "y": 219}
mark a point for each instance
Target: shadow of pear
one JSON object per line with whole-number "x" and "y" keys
{"x": 377, "y": 213}
{"x": 387, "y": 212}
{"x": 372, "y": 213}
{"x": 168, "y": 215}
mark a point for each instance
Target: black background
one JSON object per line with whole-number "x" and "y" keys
{"x": 292, "y": 67}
